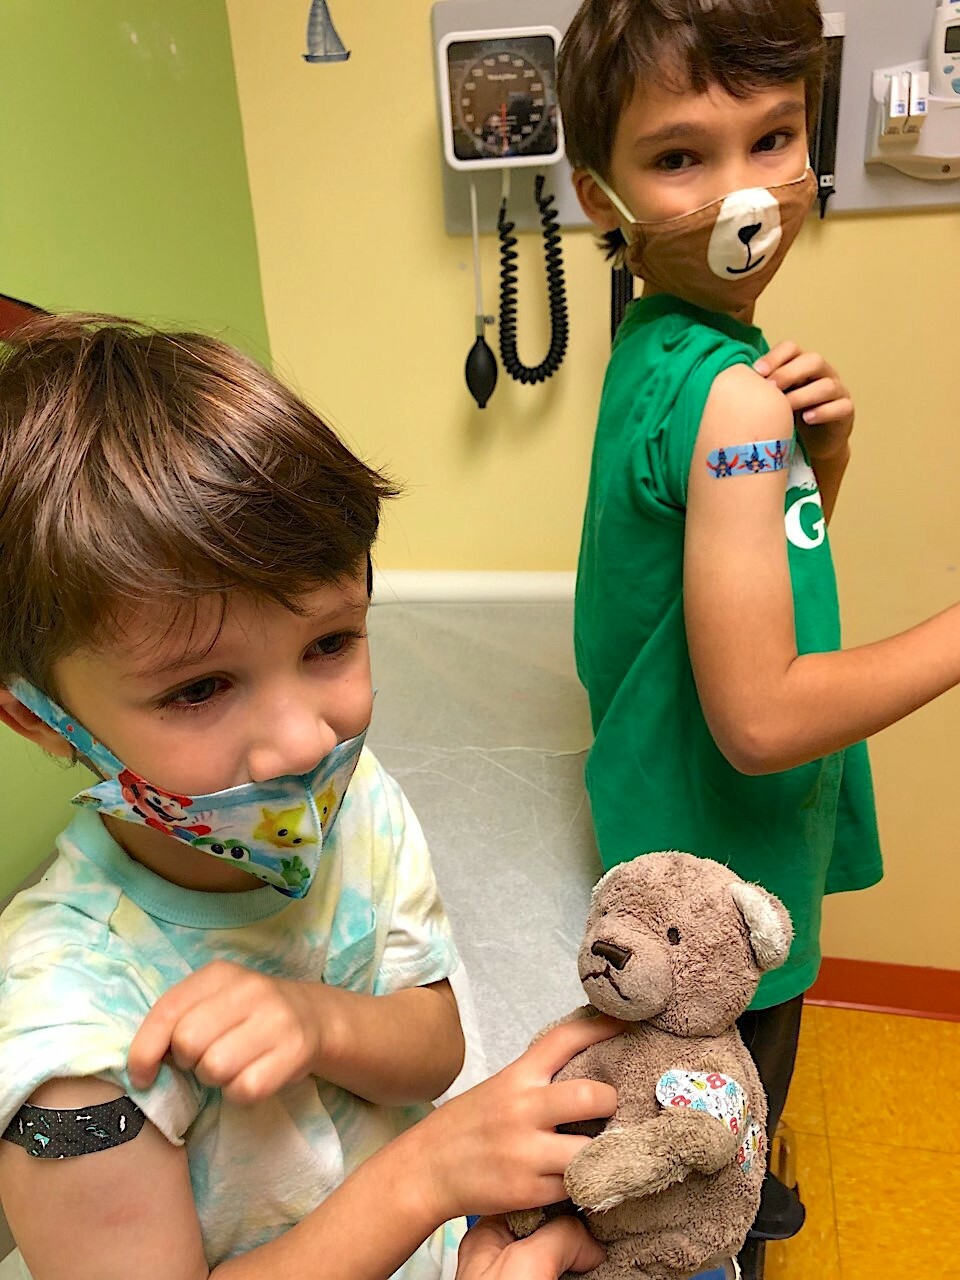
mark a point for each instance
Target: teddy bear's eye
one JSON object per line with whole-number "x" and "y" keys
{"x": 673, "y": 935}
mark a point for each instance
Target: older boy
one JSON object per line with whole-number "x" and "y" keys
{"x": 727, "y": 719}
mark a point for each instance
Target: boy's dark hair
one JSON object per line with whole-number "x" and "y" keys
{"x": 142, "y": 466}
{"x": 742, "y": 46}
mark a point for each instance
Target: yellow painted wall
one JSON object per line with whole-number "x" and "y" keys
{"x": 369, "y": 306}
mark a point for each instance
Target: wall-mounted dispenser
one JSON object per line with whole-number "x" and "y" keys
{"x": 914, "y": 120}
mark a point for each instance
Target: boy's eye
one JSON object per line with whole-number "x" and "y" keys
{"x": 330, "y": 646}
{"x": 674, "y": 161}
{"x": 774, "y": 141}
{"x": 194, "y": 695}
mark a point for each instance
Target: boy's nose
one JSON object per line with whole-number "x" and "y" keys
{"x": 290, "y": 744}
{"x": 737, "y": 177}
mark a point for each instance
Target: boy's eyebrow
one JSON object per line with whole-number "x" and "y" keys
{"x": 194, "y": 657}
{"x": 677, "y": 130}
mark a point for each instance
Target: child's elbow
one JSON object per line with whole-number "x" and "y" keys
{"x": 753, "y": 749}
{"x": 453, "y": 1059}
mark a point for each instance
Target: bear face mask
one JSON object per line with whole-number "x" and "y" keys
{"x": 722, "y": 255}
{"x": 274, "y": 830}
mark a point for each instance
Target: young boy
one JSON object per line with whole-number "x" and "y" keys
{"x": 224, "y": 1008}
{"x": 727, "y": 720}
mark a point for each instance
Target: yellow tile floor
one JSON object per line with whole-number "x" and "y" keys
{"x": 875, "y": 1108}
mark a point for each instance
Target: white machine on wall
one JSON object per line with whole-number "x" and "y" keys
{"x": 498, "y": 110}
{"x": 914, "y": 122}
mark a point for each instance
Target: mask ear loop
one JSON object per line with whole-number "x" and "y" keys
{"x": 94, "y": 754}
{"x": 612, "y": 196}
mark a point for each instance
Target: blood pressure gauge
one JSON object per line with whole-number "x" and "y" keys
{"x": 498, "y": 98}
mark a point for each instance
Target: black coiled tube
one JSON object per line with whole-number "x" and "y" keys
{"x": 556, "y": 292}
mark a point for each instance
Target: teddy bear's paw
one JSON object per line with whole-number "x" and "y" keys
{"x": 614, "y": 1167}
{"x": 628, "y": 1163}
{"x": 524, "y": 1222}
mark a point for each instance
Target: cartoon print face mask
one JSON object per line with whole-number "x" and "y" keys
{"x": 724, "y": 254}
{"x": 275, "y": 829}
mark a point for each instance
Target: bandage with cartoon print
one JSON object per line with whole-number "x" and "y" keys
{"x": 274, "y": 829}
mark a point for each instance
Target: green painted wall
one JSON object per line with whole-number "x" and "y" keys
{"x": 123, "y": 188}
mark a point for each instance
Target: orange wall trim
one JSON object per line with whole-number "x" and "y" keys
{"x": 14, "y": 313}
{"x": 888, "y": 988}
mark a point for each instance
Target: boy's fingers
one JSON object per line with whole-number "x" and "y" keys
{"x": 250, "y": 1068}
{"x": 564, "y": 1244}
{"x": 790, "y": 374}
{"x": 555, "y": 1049}
{"x": 775, "y": 357}
{"x": 795, "y": 373}
{"x": 155, "y": 1036}
{"x": 572, "y": 1100}
{"x": 171, "y": 1024}
{"x": 150, "y": 1045}
{"x": 227, "y": 1054}
{"x": 484, "y": 1243}
{"x": 822, "y": 392}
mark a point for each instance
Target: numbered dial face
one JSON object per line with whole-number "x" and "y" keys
{"x": 503, "y": 97}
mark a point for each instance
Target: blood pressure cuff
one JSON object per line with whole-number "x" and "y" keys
{"x": 51, "y": 1134}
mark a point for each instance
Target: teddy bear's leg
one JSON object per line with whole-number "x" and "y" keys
{"x": 676, "y": 1254}
{"x": 642, "y": 1159}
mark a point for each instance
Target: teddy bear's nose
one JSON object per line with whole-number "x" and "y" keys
{"x": 617, "y": 956}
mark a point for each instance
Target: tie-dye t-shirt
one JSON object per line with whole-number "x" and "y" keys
{"x": 86, "y": 953}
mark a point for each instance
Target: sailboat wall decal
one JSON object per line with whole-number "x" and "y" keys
{"x": 323, "y": 43}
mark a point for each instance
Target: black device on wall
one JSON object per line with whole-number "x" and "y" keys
{"x": 823, "y": 136}
{"x": 498, "y": 109}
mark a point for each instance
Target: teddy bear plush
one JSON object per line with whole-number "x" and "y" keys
{"x": 674, "y": 946}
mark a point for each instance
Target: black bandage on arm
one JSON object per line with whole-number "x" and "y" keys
{"x": 55, "y": 1134}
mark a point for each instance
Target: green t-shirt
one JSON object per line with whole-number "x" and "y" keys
{"x": 655, "y": 777}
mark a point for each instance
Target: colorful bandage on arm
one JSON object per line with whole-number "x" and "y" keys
{"x": 55, "y": 1134}
{"x": 749, "y": 459}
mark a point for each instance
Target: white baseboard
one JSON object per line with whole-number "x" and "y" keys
{"x": 442, "y": 586}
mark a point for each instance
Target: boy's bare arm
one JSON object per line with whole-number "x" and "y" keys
{"x": 768, "y": 708}
{"x": 130, "y": 1210}
{"x": 250, "y": 1035}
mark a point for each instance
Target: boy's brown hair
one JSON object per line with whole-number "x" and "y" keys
{"x": 741, "y": 46}
{"x": 142, "y": 466}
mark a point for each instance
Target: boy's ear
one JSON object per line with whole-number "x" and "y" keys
{"x": 594, "y": 202}
{"x": 22, "y": 720}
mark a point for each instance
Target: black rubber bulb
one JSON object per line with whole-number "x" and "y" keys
{"x": 481, "y": 371}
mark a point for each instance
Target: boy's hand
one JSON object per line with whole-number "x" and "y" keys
{"x": 234, "y": 1028}
{"x": 489, "y": 1251}
{"x": 815, "y": 392}
{"x": 495, "y": 1148}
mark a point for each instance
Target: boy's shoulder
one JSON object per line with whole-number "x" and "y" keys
{"x": 69, "y": 905}
{"x": 665, "y": 324}
{"x": 666, "y": 357}
{"x": 373, "y": 799}
{"x": 377, "y": 834}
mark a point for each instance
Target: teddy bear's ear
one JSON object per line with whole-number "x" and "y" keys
{"x": 606, "y": 880}
{"x": 768, "y": 923}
